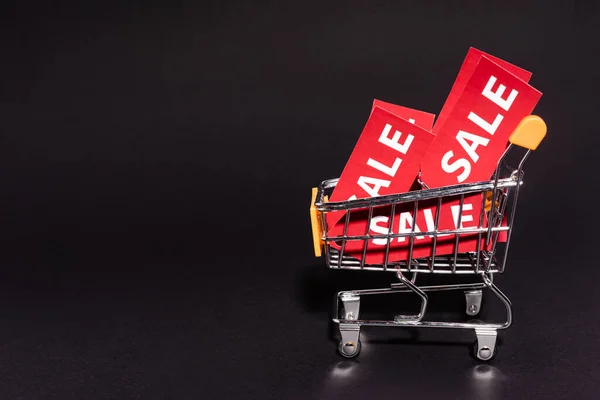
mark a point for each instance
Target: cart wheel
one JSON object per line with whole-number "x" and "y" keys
{"x": 349, "y": 349}
{"x": 484, "y": 353}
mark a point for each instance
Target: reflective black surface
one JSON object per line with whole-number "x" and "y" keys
{"x": 155, "y": 165}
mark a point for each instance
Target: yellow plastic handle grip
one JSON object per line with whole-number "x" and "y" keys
{"x": 317, "y": 231}
{"x": 529, "y": 133}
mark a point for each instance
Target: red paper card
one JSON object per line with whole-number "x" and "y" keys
{"x": 471, "y": 60}
{"x": 403, "y": 223}
{"x": 385, "y": 159}
{"x": 475, "y": 134}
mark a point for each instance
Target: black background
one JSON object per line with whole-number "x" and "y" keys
{"x": 156, "y": 162}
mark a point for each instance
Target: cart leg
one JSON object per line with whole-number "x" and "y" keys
{"x": 349, "y": 346}
{"x": 485, "y": 345}
{"x": 490, "y": 284}
{"x": 409, "y": 284}
{"x": 473, "y": 298}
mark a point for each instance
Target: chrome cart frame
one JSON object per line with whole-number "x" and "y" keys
{"x": 496, "y": 195}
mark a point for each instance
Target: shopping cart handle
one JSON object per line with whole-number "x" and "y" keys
{"x": 529, "y": 133}
{"x": 317, "y": 230}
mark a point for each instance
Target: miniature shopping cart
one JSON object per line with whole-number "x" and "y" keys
{"x": 499, "y": 195}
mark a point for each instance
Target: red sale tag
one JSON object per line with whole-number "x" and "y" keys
{"x": 404, "y": 221}
{"x": 473, "y": 138}
{"x": 386, "y": 158}
{"x": 471, "y": 61}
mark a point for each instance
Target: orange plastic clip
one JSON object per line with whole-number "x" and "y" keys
{"x": 317, "y": 230}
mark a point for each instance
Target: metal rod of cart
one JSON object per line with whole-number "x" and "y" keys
{"x": 499, "y": 201}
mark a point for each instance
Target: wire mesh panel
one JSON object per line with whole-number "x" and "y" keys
{"x": 441, "y": 252}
